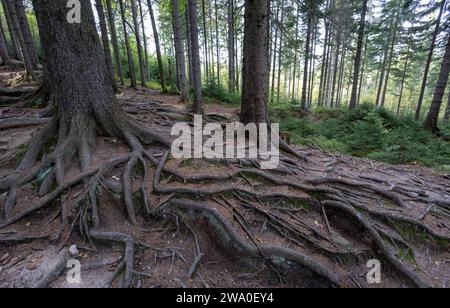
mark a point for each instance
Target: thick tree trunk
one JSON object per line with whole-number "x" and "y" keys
{"x": 196, "y": 64}
{"x": 179, "y": 50}
{"x": 429, "y": 60}
{"x": 105, "y": 41}
{"x": 127, "y": 46}
{"x": 12, "y": 34}
{"x": 256, "y": 68}
{"x": 431, "y": 122}
{"x": 138, "y": 42}
{"x": 115, "y": 43}
{"x": 20, "y": 38}
{"x": 304, "y": 105}
{"x": 158, "y": 48}
{"x": 362, "y": 25}
{"x": 27, "y": 36}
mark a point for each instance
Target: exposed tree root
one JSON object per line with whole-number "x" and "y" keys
{"x": 298, "y": 203}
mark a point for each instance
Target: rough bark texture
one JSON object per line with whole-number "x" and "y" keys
{"x": 127, "y": 46}
{"x": 431, "y": 122}
{"x": 158, "y": 48}
{"x": 196, "y": 64}
{"x": 115, "y": 44}
{"x": 255, "y": 69}
{"x": 105, "y": 41}
{"x": 3, "y": 49}
{"x": 26, "y": 32}
{"x": 429, "y": 60}
{"x": 179, "y": 50}
{"x": 362, "y": 25}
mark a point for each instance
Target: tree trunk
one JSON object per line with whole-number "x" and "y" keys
{"x": 231, "y": 50}
{"x": 255, "y": 69}
{"x": 20, "y": 38}
{"x": 105, "y": 40}
{"x": 12, "y": 34}
{"x": 280, "y": 52}
{"x": 138, "y": 42}
{"x": 127, "y": 46}
{"x": 297, "y": 24}
{"x": 323, "y": 70}
{"x": 336, "y": 69}
{"x": 205, "y": 40}
{"x": 361, "y": 77}
{"x": 196, "y": 64}
{"x": 144, "y": 40}
{"x": 216, "y": 10}
{"x": 362, "y": 25}
{"x": 274, "y": 61}
{"x": 402, "y": 87}
{"x": 304, "y": 105}
{"x": 433, "y": 115}
{"x": 179, "y": 50}
{"x": 115, "y": 44}
{"x": 3, "y": 49}
{"x": 189, "y": 45}
{"x": 158, "y": 48}
{"x": 447, "y": 111}
{"x": 429, "y": 60}
{"x": 27, "y": 36}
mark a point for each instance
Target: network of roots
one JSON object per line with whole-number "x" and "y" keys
{"x": 324, "y": 212}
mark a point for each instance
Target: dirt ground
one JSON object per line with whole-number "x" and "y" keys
{"x": 168, "y": 245}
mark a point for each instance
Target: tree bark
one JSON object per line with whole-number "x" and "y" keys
{"x": 362, "y": 25}
{"x": 158, "y": 48}
{"x": 144, "y": 39}
{"x": 29, "y": 71}
{"x": 27, "y": 36}
{"x": 231, "y": 50}
{"x": 179, "y": 50}
{"x": 138, "y": 42}
{"x": 304, "y": 105}
{"x": 196, "y": 64}
{"x": 429, "y": 60}
{"x": 402, "y": 87}
{"x": 105, "y": 41}
{"x": 4, "y": 49}
{"x": 205, "y": 40}
{"x": 256, "y": 68}
{"x": 127, "y": 46}
{"x": 115, "y": 44}
{"x": 12, "y": 34}
{"x": 431, "y": 122}
{"x": 216, "y": 10}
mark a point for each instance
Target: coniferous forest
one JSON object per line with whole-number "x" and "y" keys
{"x": 99, "y": 97}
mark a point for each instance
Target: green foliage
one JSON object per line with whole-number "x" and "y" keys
{"x": 220, "y": 94}
{"x": 368, "y": 132}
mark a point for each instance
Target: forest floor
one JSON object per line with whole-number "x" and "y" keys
{"x": 170, "y": 245}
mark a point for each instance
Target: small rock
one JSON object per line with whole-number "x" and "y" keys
{"x": 73, "y": 250}
{"x": 32, "y": 266}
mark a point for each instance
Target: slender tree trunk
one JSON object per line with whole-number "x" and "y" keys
{"x": 272, "y": 91}
{"x": 105, "y": 41}
{"x": 297, "y": 24}
{"x": 127, "y": 46}
{"x": 144, "y": 40}
{"x": 20, "y": 38}
{"x": 205, "y": 40}
{"x": 12, "y": 34}
{"x": 196, "y": 64}
{"x": 336, "y": 69}
{"x": 158, "y": 48}
{"x": 361, "y": 78}
{"x": 255, "y": 69}
{"x": 304, "y": 105}
{"x": 324, "y": 64}
{"x": 26, "y": 32}
{"x": 447, "y": 111}
{"x": 362, "y": 25}
{"x": 115, "y": 44}
{"x": 179, "y": 50}
{"x": 280, "y": 52}
{"x": 312, "y": 69}
{"x": 138, "y": 42}
{"x": 433, "y": 115}
{"x": 231, "y": 51}
{"x": 402, "y": 86}
{"x": 216, "y": 9}
{"x": 189, "y": 46}
{"x": 429, "y": 60}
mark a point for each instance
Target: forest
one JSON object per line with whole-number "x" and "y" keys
{"x": 352, "y": 96}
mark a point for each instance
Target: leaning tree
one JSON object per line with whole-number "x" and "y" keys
{"x": 310, "y": 212}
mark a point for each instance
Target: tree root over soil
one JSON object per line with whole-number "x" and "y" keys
{"x": 317, "y": 210}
